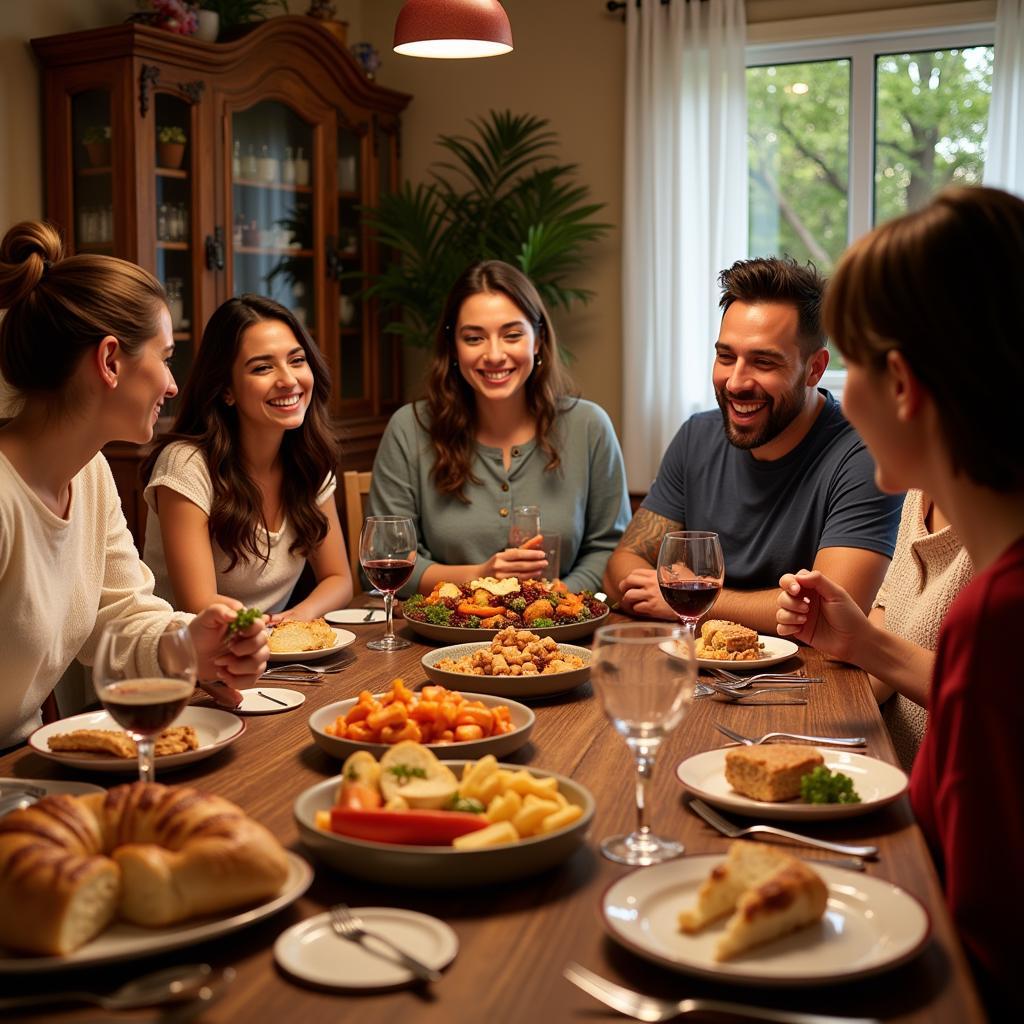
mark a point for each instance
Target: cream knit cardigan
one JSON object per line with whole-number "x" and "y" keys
{"x": 927, "y": 572}
{"x": 61, "y": 581}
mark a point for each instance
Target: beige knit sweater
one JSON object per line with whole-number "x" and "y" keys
{"x": 927, "y": 572}
{"x": 61, "y": 581}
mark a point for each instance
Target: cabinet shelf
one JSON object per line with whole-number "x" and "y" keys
{"x": 259, "y": 250}
{"x": 171, "y": 172}
{"x": 174, "y": 246}
{"x": 273, "y": 186}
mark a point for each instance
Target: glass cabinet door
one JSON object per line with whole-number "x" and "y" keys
{"x": 174, "y": 256}
{"x": 389, "y": 387}
{"x": 93, "y": 185}
{"x": 272, "y": 208}
{"x": 351, "y": 255}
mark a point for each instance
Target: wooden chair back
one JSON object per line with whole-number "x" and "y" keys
{"x": 357, "y": 487}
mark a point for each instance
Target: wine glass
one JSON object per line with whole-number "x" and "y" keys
{"x": 691, "y": 570}
{"x": 523, "y": 525}
{"x": 387, "y": 553}
{"x": 644, "y": 694}
{"x": 144, "y": 705}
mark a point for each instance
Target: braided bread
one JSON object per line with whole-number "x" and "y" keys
{"x": 150, "y": 854}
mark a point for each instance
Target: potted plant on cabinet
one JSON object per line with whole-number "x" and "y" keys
{"x": 235, "y": 17}
{"x": 509, "y": 200}
{"x": 170, "y": 146}
{"x": 97, "y": 145}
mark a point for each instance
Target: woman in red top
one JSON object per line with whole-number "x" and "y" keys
{"x": 928, "y": 311}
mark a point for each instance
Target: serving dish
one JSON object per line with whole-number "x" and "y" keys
{"x": 425, "y": 866}
{"x": 505, "y": 686}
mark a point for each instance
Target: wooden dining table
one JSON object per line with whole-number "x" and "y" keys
{"x": 515, "y": 938}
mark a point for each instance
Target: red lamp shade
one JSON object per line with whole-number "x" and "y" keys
{"x": 452, "y": 29}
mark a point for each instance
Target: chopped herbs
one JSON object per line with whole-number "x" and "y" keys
{"x": 405, "y": 772}
{"x": 822, "y": 786}
{"x": 244, "y": 619}
{"x": 464, "y": 803}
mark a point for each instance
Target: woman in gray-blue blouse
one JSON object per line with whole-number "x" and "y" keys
{"x": 499, "y": 428}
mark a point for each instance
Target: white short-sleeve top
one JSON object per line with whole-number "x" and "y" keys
{"x": 182, "y": 467}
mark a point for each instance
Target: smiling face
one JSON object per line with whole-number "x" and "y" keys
{"x": 760, "y": 376}
{"x": 271, "y": 379}
{"x": 495, "y": 345}
{"x": 146, "y": 383}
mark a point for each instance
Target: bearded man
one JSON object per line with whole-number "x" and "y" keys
{"x": 779, "y": 475}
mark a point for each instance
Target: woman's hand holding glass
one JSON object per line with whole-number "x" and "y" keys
{"x": 527, "y": 563}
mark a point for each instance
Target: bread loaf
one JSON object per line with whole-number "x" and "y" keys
{"x": 150, "y": 854}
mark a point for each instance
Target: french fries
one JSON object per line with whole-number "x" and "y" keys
{"x": 518, "y": 804}
{"x": 434, "y": 715}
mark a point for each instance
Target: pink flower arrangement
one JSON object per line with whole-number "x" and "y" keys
{"x": 175, "y": 16}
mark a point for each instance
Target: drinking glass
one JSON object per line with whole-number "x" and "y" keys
{"x": 552, "y": 548}
{"x": 524, "y": 524}
{"x": 691, "y": 571}
{"x": 644, "y": 693}
{"x": 144, "y": 705}
{"x": 387, "y": 553}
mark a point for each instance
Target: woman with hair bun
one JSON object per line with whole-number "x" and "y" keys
{"x": 499, "y": 428}
{"x": 927, "y": 311}
{"x": 85, "y": 344}
{"x": 241, "y": 491}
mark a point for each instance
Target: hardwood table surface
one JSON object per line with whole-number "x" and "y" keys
{"x": 515, "y": 939}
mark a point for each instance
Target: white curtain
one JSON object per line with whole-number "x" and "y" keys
{"x": 684, "y": 210}
{"x": 1004, "y": 161}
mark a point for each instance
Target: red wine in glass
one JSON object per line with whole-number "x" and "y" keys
{"x": 146, "y": 706}
{"x": 691, "y": 571}
{"x": 388, "y": 573}
{"x": 690, "y": 599}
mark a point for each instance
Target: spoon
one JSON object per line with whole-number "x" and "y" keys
{"x": 173, "y": 984}
{"x": 16, "y": 802}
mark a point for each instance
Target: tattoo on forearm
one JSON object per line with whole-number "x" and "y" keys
{"x": 644, "y": 533}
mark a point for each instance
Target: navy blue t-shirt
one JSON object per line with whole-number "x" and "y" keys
{"x": 774, "y": 516}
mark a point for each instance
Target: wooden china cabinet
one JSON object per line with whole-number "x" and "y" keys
{"x": 227, "y": 168}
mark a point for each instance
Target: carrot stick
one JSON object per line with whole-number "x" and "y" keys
{"x": 533, "y": 542}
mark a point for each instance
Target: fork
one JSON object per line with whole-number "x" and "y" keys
{"x": 641, "y": 1007}
{"x": 349, "y": 926}
{"x": 741, "y": 698}
{"x": 830, "y": 741}
{"x": 727, "y": 828}
{"x": 738, "y": 682}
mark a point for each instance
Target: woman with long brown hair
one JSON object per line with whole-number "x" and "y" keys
{"x": 927, "y": 311}
{"x": 85, "y": 343}
{"x": 241, "y": 491}
{"x": 499, "y": 428}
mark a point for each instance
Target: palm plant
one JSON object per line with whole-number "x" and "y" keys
{"x": 503, "y": 196}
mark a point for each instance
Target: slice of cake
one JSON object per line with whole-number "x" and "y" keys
{"x": 727, "y": 641}
{"x": 770, "y": 771}
{"x": 768, "y": 892}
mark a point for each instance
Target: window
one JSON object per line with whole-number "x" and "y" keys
{"x": 847, "y": 133}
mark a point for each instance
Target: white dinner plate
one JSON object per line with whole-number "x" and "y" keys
{"x": 869, "y": 926}
{"x": 342, "y": 638}
{"x": 269, "y": 700}
{"x": 776, "y": 649}
{"x": 51, "y": 786}
{"x": 124, "y": 941}
{"x": 355, "y": 616}
{"x": 877, "y": 783}
{"x": 312, "y": 951}
{"x": 215, "y": 729}
{"x": 506, "y": 686}
{"x": 522, "y": 721}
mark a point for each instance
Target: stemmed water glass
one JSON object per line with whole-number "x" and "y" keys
{"x": 644, "y": 694}
{"x": 144, "y": 705}
{"x": 387, "y": 553}
{"x": 691, "y": 571}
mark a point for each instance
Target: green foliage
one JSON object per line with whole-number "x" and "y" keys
{"x": 170, "y": 133}
{"x": 823, "y": 786}
{"x": 932, "y": 111}
{"x": 241, "y": 12}
{"x": 502, "y": 195}
{"x": 97, "y": 133}
{"x": 542, "y": 623}
{"x": 244, "y": 619}
{"x": 437, "y": 614}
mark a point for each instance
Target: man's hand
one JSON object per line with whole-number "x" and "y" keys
{"x": 641, "y": 595}
{"x": 228, "y": 662}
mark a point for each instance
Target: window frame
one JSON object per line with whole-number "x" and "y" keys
{"x": 862, "y": 50}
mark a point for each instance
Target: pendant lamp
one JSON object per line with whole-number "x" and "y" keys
{"x": 452, "y": 29}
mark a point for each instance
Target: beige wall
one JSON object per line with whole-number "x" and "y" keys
{"x": 568, "y": 66}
